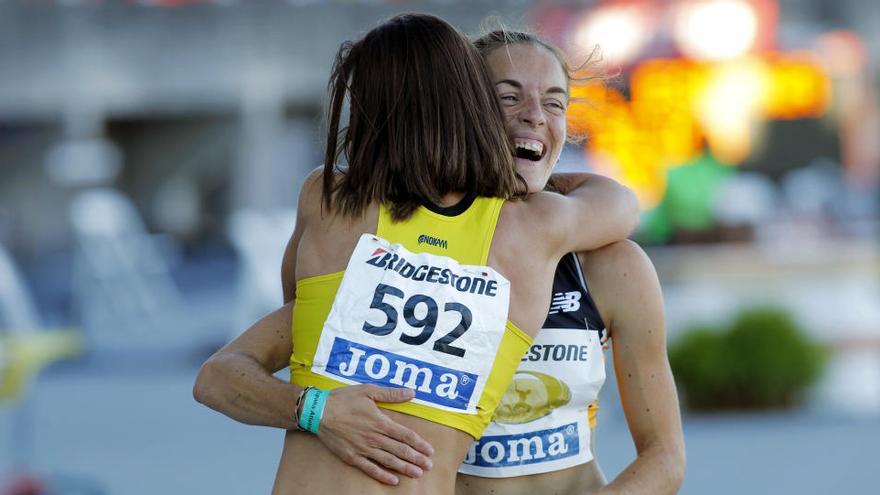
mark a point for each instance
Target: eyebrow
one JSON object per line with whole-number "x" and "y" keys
{"x": 516, "y": 84}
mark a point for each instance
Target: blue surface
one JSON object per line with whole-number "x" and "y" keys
{"x": 136, "y": 430}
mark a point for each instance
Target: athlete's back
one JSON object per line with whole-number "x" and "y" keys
{"x": 528, "y": 241}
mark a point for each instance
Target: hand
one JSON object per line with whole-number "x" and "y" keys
{"x": 360, "y": 434}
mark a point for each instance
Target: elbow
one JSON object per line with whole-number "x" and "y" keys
{"x": 669, "y": 464}
{"x": 675, "y": 467}
{"x": 631, "y": 209}
{"x": 204, "y": 387}
{"x": 678, "y": 471}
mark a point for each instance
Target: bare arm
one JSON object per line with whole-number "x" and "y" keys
{"x": 238, "y": 379}
{"x": 238, "y": 382}
{"x": 594, "y": 211}
{"x": 633, "y": 308}
{"x": 612, "y": 207}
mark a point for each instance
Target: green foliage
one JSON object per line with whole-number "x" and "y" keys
{"x": 762, "y": 360}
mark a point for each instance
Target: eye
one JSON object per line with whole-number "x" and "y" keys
{"x": 557, "y": 105}
{"x": 508, "y": 98}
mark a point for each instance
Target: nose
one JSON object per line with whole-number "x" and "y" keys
{"x": 531, "y": 112}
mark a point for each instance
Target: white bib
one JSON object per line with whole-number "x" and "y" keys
{"x": 415, "y": 320}
{"x": 536, "y": 437}
{"x": 542, "y": 422}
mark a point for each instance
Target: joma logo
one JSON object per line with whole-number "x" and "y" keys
{"x": 432, "y": 383}
{"x": 524, "y": 448}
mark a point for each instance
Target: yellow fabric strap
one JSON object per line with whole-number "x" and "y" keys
{"x": 466, "y": 237}
{"x": 592, "y": 412}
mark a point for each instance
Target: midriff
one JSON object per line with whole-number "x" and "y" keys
{"x": 307, "y": 466}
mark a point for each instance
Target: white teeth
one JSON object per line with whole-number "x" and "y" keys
{"x": 535, "y": 146}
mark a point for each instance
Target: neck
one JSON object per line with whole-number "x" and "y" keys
{"x": 451, "y": 198}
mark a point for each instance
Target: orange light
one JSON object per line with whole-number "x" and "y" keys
{"x": 678, "y": 106}
{"x": 798, "y": 88}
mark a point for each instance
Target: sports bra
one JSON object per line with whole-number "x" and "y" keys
{"x": 545, "y": 418}
{"x": 416, "y": 307}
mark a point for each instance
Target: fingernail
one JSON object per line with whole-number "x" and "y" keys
{"x": 416, "y": 472}
{"x": 430, "y": 464}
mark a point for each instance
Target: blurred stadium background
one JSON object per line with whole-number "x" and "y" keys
{"x": 151, "y": 153}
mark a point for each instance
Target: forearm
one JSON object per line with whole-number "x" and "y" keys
{"x": 605, "y": 210}
{"x": 237, "y": 385}
{"x": 658, "y": 470}
{"x": 627, "y": 292}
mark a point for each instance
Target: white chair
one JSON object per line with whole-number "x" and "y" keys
{"x": 259, "y": 238}
{"x": 123, "y": 292}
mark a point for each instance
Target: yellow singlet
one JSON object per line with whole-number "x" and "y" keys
{"x": 465, "y": 236}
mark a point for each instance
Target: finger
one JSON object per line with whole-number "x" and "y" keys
{"x": 391, "y": 394}
{"x": 406, "y": 453}
{"x": 407, "y": 436}
{"x": 394, "y": 463}
{"x": 374, "y": 471}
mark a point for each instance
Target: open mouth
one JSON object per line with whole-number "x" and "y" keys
{"x": 528, "y": 149}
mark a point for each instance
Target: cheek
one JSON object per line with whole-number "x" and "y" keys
{"x": 558, "y": 136}
{"x": 559, "y": 131}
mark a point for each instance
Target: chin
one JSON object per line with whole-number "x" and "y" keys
{"x": 535, "y": 177}
{"x": 534, "y": 180}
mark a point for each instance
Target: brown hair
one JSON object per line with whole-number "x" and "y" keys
{"x": 424, "y": 121}
{"x": 503, "y": 37}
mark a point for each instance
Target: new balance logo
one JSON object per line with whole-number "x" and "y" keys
{"x": 565, "y": 302}
{"x": 433, "y": 241}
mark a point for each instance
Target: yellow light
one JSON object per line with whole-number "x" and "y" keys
{"x": 729, "y": 106}
{"x": 663, "y": 100}
{"x": 715, "y": 29}
{"x": 678, "y": 105}
{"x": 798, "y": 88}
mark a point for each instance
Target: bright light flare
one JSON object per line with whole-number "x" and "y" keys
{"x": 729, "y": 108}
{"x": 716, "y": 29}
{"x": 620, "y": 31}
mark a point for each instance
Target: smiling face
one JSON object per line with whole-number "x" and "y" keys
{"x": 533, "y": 89}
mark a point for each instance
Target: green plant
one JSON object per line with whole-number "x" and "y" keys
{"x": 761, "y": 360}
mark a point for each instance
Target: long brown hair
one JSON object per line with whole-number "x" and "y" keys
{"x": 424, "y": 121}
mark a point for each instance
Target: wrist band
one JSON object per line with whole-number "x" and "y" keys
{"x": 296, "y": 409}
{"x": 313, "y": 409}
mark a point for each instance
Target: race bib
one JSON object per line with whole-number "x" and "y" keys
{"x": 420, "y": 321}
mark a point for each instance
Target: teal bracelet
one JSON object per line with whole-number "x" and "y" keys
{"x": 308, "y": 400}
{"x": 313, "y": 409}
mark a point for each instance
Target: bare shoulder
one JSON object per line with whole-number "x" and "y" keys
{"x": 311, "y": 195}
{"x": 622, "y": 279}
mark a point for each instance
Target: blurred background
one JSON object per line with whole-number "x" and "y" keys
{"x": 151, "y": 153}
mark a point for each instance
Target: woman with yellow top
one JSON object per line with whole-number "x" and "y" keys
{"x": 379, "y": 299}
